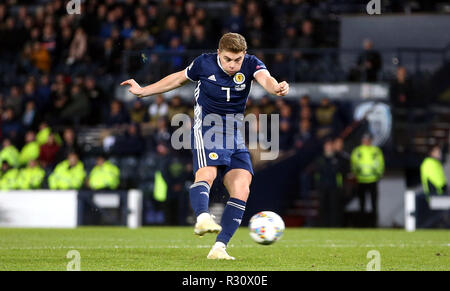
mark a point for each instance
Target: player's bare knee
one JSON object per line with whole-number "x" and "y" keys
{"x": 240, "y": 189}
{"x": 207, "y": 174}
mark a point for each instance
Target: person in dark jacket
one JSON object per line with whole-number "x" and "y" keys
{"x": 131, "y": 143}
{"x": 329, "y": 182}
{"x": 69, "y": 144}
{"x": 116, "y": 116}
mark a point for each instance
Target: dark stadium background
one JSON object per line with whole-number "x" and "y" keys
{"x": 62, "y": 71}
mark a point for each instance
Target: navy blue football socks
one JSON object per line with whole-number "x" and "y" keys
{"x": 199, "y": 197}
{"x": 231, "y": 219}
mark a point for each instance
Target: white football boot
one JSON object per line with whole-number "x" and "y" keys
{"x": 206, "y": 224}
{"x": 219, "y": 252}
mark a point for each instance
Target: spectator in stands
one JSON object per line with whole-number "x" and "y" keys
{"x": 68, "y": 175}
{"x": 104, "y": 175}
{"x": 98, "y": 101}
{"x": 307, "y": 39}
{"x": 31, "y": 116}
{"x": 235, "y": 22}
{"x": 69, "y": 144}
{"x": 304, "y": 101}
{"x": 9, "y": 31}
{"x": 407, "y": 107}
{"x": 44, "y": 133}
{"x": 108, "y": 24}
{"x": 326, "y": 118}
{"x": 176, "y": 107}
{"x": 256, "y": 36}
{"x": 304, "y": 135}
{"x": 29, "y": 92}
{"x": 40, "y": 57}
{"x": 266, "y": 105}
{"x": 131, "y": 143}
{"x": 49, "y": 39}
{"x": 252, "y": 11}
{"x": 367, "y": 164}
{"x": 278, "y": 67}
{"x": 170, "y": 31}
{"x": 158, "y": 108}
{"x": 138, "y": 113}
{"x": 78, "y": 47}
{"x": 306, "y": 114}
{"x": 176, "y": 61}
{"x": 110, "y": 60}
{"x": 31, "y": 177}
{"x": 58, "y": 103}
{"x": 289, "y": 41}
{"x": 401, "y": 91}
{"x": 11, "y": 127}
{"x": 9, "y": 153}
{"x": 369, "y": 64}
{"x": 187, "y": 36}
{"x": 31, "y": 150}
{"x": 117, "y": 115}
{"x": 43, "y": 92}
{"x": 128, "y": 29}
{"x": 49, "y": 151}
{"x": 162, "y": 134}
{"x": 329, "y": 181}
{"x": 200, "y": 39}
{"x": 14, "y": 100}
{"x": 64, "y": 43}
{"x": 8, "y": 180}
{"x": 78, "y": 108}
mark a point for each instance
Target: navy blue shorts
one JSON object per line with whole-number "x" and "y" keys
{"x": 226, "y": 159}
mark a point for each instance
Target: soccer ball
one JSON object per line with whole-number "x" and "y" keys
{"x": 266, "y": 227}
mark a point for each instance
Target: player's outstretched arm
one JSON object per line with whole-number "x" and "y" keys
{"x": 166, "y": 84}
{"x": 271, "y": 85}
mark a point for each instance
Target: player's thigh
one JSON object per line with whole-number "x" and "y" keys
{"x": 208, "y": 174}
{"x": 237, "y": 182}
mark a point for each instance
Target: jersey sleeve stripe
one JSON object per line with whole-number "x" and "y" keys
{"x": 186, "y": 74}
{"x": 259, "y": 71}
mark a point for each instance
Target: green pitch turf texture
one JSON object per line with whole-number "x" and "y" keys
{"x": 177, "y": 248}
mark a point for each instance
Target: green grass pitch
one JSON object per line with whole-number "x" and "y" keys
{"x": 177, "y": 248}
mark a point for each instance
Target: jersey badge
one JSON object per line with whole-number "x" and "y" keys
{"x": 239, "y": 78}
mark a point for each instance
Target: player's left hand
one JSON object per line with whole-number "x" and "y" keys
{"x": 282, "y": 89}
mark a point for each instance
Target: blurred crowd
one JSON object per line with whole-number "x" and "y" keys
{"x": 44, "y": 38}
{"x": 40, "y": 38}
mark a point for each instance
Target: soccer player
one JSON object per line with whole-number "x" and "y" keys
{"x": 223, "y": 84}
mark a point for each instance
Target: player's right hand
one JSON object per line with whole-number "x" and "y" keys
{"x": 134, "y": 87}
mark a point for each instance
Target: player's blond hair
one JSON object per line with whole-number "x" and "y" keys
{"x": 232, "y": 42}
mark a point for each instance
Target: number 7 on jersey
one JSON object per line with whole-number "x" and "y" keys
{"x": 228, "y": 93}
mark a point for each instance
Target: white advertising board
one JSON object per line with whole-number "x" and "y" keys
{"x": 39, "y": 208}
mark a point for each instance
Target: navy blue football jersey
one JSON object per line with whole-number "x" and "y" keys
{"x": 216, "y": 91}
